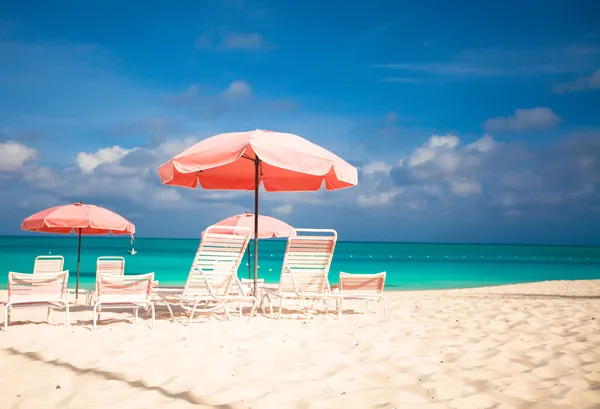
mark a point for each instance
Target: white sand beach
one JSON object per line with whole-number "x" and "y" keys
{"x": 527, "y": 346}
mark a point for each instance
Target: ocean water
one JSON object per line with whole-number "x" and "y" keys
{"x": 408, "y": 265}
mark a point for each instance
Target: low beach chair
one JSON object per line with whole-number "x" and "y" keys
{"x": 111, "y": 265}
{"x": 368, "y": 287}
{"x": 212, "y": 281}
{"x": 48, "y": 264}
{"x": 116, "y": 291}
{"x": 306, "y": 264}
{"x": 46, "y": 290}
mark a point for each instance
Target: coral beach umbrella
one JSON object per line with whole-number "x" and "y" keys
{"x": 268, "y": 227}
{"x": 83, "y": 219}
{"x": 281, "y": 162}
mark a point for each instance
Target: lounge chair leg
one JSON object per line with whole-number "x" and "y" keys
{"x": 226, "y": 311}
{"x": 192, "y": 312}
{"x": 340, "y": 308}
{"x": 6, "y": 316}
{"x": 241, "y": 310}
{"x": 96, "y": 316}
{"x": 67, "y": 322}
{"x": 48, "y": 315}
{"x": 385, "y": 306}
{"x": 153, "y": 314}
{"x": 280, "y": 307}
{"x": 326, "y": 306}
{"x": 253, "y": 311}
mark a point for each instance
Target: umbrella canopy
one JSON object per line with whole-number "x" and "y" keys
{"x": 79, "y": 218}
{"x": 268, "y": 227}
{"x": 281, "y": 162}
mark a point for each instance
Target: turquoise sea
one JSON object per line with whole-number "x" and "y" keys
{"x": 408, "y": 265}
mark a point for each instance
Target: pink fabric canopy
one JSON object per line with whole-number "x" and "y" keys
{"x": 268, "y": 227}
{"x": 287, "y": 163}
{"x": 70, "y": 218}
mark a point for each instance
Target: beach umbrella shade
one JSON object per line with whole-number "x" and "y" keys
{"x": 281, "y": 162}
{"x": 79, "y": 218}
{"x": 268, "y": 227}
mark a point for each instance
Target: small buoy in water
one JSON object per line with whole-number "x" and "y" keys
{"x": 427, "y": 256}
{"x": 446, "y": 256}
{"x": 350, "y": 255}
{"x": 390, "y": 256}
{"x": 271, "y": 255}
{"x": 270, "y": 269}
{"x": 372, "y": 256}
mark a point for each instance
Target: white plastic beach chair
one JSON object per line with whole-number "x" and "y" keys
{"x": 111, "y": 265}
{"x": 368, "y": 287}
{"x": 306, "y": 264}
{"x": 47, "y": 290}
{"x": 212, "y": 281}
{"x": 48, "y": 264}
{"x": 116, "y": 291}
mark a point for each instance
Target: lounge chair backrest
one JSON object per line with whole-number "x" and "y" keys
{"x": 110, "y": 265}
{"x": 48, "y": 264}
{"x": 362, "y": 284}
{"x": 124, "y": 288}
{"x": 38, "y": 287}
{"x": 214, "y": 270}
{"x": 307, "y": 261}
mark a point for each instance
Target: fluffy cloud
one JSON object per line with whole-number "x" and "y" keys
{"x": 228, "y": 41}
{"x": 237, "y": 90}
{"x": 580, "y": 84}
{"x": 535, "y": 119}
{"x": 14, "y": 155}
{"x": 442, "y": 163}
{"x": 374, "y": 167}
{"x": 283, "y": 209}
{"x": 87, "y": 162}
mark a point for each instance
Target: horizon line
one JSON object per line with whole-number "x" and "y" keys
{"x": 65, "y": 236}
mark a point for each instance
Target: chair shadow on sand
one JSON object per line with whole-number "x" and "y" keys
{"x": 117, "y": 376}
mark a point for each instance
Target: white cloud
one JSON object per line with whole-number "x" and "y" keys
{"x": 249, "y": 42}
{"x": 391, "y": 118}
{"x": 14, "y": 155}
{"x": 379, "y": 199}
{"x": 465, "y": 188}
{"x": 534, "y": 119}
{"x": 580, "y": 84}
{"x": 237, "y": 90}
{"x": 441, "y": 161}
{"x": 283, "y": 210}
{"x": 167, "y": 195}
{"x": 87, "y": 162}
{"x": 375, "y": 167}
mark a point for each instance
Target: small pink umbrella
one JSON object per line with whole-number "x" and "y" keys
{"x": 80, "y": 218}
{"x": 282, "y": 162}
{"x": 269, "y": 227}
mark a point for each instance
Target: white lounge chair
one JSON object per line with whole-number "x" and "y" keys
{"x": 212, "y": 281}
{"x": 304, "y": 274}
{"x": 112, "y": 265}
{"x": 48, "y": 264}
{"x": 368, "y": 287}
{"x": 115, "y": 291}
{"x": 46, "y": 290}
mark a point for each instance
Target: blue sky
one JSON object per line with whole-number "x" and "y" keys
{"x": 468, "y": 121}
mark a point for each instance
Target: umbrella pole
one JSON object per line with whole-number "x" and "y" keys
{"x": 78, "y": 264}
{"x": 256, "y": 183}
